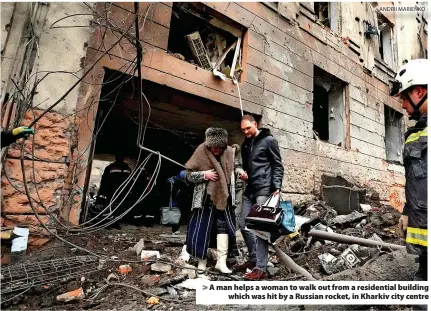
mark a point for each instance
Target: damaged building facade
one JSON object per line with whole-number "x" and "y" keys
{"x": 316, "y": 74}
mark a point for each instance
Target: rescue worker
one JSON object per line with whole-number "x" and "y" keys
{"x": 9, "y": 137}
{"x": 113, "y": 177}
{"x": 411, "y": 85}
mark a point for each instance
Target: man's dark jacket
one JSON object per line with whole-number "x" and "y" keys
{"x": 113, "y": 177}
{"x": 262, "y": 162}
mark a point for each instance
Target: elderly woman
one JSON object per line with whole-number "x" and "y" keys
{"x": 212, "y": 169}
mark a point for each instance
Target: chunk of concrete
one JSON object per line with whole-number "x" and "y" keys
{"x": 365, "y": 207}
{"x": 160, "y": 267}
{"x": 148, "y": 255}
{"x": 189, "y": 272}
{"x": 346, "y": 219}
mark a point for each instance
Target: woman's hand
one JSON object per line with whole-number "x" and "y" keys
{"x": 211, "y": 175}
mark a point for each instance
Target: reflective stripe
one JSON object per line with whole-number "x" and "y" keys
{"x": 417, "y": 231}
{"x": 415, "y": 136}
{"x": 417, "y": 236}
{"x": 119, "y": 171}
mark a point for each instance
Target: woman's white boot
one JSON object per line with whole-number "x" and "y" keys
{"x": 222, "y": 251}
{"x": 202, "y": 265}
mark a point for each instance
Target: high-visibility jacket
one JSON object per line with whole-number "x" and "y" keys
{"x": 416, "y": 208}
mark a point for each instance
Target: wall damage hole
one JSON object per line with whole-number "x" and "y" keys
{"x": 329, "y": 107}
{"x": 202, "y": 36}
{"x": 393, "y": 135}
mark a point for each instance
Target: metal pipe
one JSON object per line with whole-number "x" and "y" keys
{"x": 289, "y": 263}
{"x": 336, "y": 237}
{"x": 162, "y": 156}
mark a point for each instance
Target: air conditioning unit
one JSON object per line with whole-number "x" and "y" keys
{"x": 197, "y": 47}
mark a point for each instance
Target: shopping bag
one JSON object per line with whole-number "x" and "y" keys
{"x": 170, "y": 215}
{"x": 288, "y": 224}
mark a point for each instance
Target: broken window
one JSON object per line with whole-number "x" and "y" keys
{"x": 204, "y": 37}
{"x": 329, "y": 107}
{"x": 322, "y": 10}
{"x": 393, "y": 135}
{"x": 386, "y": 50}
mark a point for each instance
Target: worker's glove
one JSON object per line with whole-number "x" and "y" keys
{"x": 22, "y": 132}
{"x": 402, "y": 223}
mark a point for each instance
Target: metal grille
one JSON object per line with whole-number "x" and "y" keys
{"x": 198, "y": 50}
{"x": 24, "y": 276}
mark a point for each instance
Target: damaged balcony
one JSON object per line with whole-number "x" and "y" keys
{"x": 200, "y": 36}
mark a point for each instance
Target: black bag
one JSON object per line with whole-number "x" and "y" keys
{"x": 267, "y": 217}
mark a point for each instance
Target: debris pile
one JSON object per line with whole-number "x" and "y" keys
{"x": 160, "y": 272}
{"x": 324, "y": 257}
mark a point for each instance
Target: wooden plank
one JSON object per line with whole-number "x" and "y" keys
{"x": 235, "y": 57}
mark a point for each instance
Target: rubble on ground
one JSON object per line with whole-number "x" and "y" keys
{"x": 161, "y": 273}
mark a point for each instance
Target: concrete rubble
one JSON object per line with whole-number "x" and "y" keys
{"x": 161, "y": 274}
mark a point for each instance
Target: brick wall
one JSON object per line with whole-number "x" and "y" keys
{"x": 45, "y": 175}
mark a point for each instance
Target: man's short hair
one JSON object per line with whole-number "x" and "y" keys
{"x": 248, "y": 117}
